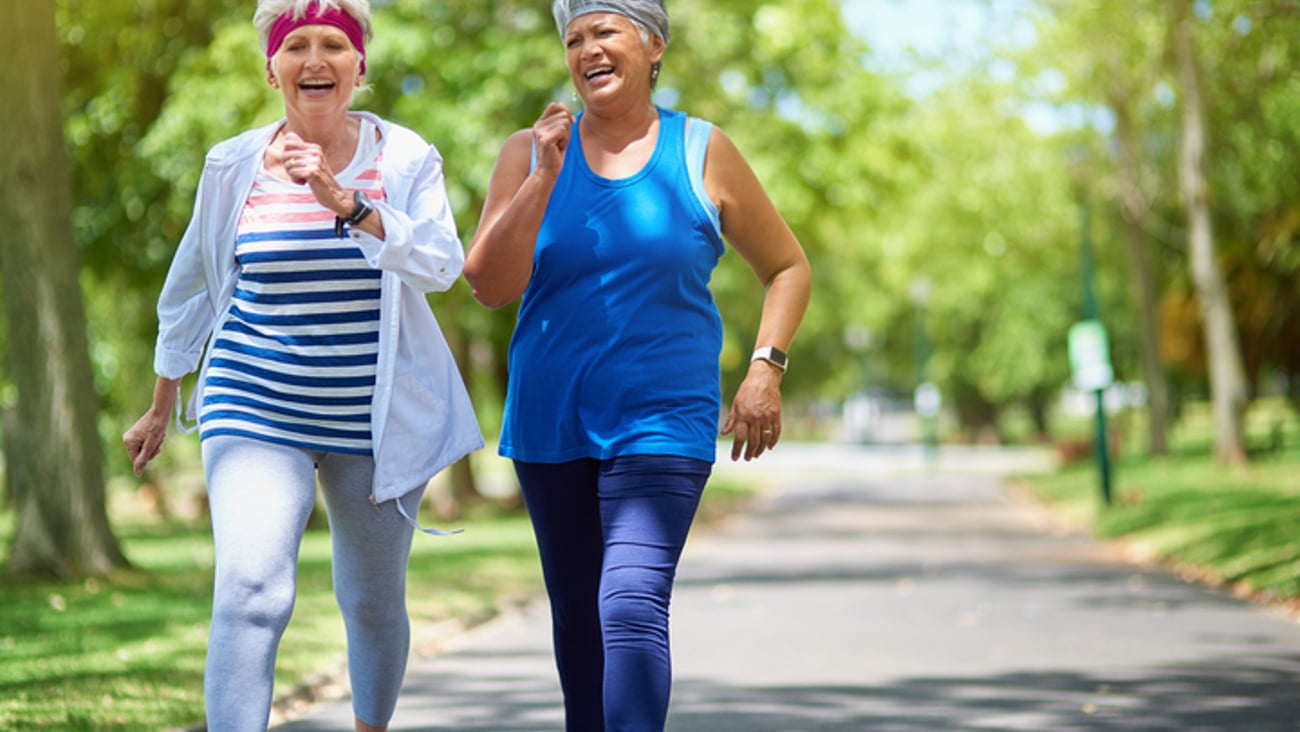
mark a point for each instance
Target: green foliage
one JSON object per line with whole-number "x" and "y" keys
{"x": 829, "y": 141}
{"x": 992, "y": 237}
{"x": 883, "y": 188}
{"x": 128, "y": 653}
{"x": 1223, "y": 524}
{"x": 1110, "y": 58}
{"x": 119, "y": 60}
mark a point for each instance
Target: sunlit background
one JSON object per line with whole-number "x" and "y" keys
{"x": 971, "y": 180}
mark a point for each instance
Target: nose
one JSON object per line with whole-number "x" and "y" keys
{"x": 590, "y": 49}
{"x": 315, "y": 55}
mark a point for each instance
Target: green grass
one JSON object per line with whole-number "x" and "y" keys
{"x": 126, "y": 653}
{"x": 1226, "y": 525}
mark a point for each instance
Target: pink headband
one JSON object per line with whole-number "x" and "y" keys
{"x": 286, "y": 24}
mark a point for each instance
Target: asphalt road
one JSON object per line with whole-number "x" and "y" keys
{"x": 874, "y": 590}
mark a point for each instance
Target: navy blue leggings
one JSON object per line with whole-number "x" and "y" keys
{"x": 610, "y": 533}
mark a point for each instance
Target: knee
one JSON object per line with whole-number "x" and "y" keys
{"x": 384, "y": 612}
{"x": 634, "y": 613}
{"x": 574, "y": 610}
{"x": 253, "y": 602}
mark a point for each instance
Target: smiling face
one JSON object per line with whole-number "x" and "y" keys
{"x": 316, "y": 69}
{"x": 609, "y": 57}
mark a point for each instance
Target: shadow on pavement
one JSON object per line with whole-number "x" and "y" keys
{"x": 1240, "y": 694}
{"x": 855, "y": 602}
{"x": 1246, "y": 695}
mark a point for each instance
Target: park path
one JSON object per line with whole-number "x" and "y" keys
{"x": 871, "y": 589}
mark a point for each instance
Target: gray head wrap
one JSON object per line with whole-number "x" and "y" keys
{"x": 649, "y": 14}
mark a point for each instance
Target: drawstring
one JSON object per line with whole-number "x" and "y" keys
{"x": 402, "y": 510}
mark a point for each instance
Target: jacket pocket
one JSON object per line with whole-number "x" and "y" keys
{"x": 417, "y": 417}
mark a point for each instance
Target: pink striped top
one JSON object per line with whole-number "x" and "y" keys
{"x": 294, "y": 361}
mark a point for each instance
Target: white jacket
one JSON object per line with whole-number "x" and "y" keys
{"x": 421, "y": 416}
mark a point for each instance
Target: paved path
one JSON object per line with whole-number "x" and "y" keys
{"x": 871, "y": 593}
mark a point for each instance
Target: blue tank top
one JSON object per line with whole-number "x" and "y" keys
{"x": 616, "y": 347}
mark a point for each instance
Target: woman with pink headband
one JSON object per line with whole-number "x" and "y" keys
{"x": 298, "y": 292}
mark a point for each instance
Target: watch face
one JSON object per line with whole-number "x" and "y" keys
{"x": 772, "y": 354}
{"x": 363, "y": 207}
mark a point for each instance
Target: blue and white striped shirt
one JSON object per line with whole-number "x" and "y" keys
{"x": 294, "y": 360}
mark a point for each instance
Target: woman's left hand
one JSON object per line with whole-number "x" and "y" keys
{"x": 755, "y": 416}
{"x": 305, "y": 163}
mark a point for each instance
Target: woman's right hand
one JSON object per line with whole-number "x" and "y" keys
{"x": 551, "y": 137}
{"x": 499, "y": 263}
{"x": 144, "y": 440}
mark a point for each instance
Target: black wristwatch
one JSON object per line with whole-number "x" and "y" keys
{"x": 362, "y": 208}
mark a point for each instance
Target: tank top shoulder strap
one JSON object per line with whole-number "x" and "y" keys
{"x": 697, "y": 148}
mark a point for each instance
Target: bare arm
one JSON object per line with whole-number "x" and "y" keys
{"x": 305, "y": 163}
{"x": 144, "y": 440}
{"x": 499, "y": 264}
{"x": 756, "y": 230}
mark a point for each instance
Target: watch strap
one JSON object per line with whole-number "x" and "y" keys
{"x": 772, "y": 355}
{"x": 362, "y": 207}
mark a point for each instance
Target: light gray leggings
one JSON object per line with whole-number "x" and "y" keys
{"x": 261, "y": 495}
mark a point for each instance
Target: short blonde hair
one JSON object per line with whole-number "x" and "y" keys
{"x": 269, "y": 10}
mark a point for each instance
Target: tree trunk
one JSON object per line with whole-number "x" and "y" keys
{"x": 1223, "y": 351}
{"x": 1135, "y": 210}
{"x": 53, "y": 454}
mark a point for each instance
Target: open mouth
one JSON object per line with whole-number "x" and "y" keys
{"x": 316, "y": 85}
{"x": 600, "y": 72}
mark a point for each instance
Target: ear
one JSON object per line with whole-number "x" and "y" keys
{"x": 656, "y": 48}
{"x": 270, "y": 79}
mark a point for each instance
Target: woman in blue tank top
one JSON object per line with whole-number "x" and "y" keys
{"x": 608, "y": 225}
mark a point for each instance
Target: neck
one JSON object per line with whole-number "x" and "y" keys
{"x": 621, "y": 127}
{"x": 336, "y": 137}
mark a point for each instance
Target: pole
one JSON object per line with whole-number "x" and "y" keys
{"x": 1090, "y": 311}
{"x": 925, "y": 395}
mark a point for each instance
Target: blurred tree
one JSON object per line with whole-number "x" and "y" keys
{"x": 1123, "y": 59}
{"x": 1227, "y": 379}
{"x": 1253, "y": 100}
{"x": 994, "y": 228}
{"x": 115, "y": 84}
{"x": 1112, "y": 54}
{"x": 52, "y": 447}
